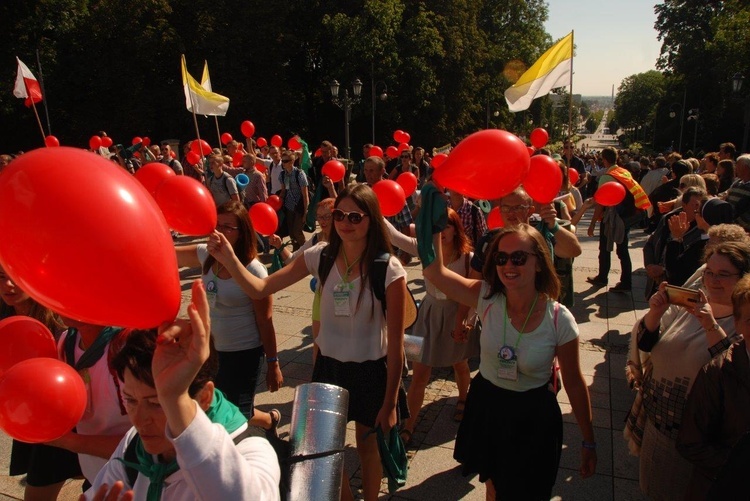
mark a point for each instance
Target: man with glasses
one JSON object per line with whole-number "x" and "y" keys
{"x": 166, "y": 159}
{"x": 295, "y": 198}
{"x": 274, "y": 168}
{"x": 572, "y": 161}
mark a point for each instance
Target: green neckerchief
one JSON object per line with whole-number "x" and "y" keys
{"x": 221, "y": 411}
{"x": 432, "y": 218}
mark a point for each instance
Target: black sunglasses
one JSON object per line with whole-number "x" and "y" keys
{"x": 517, "y": 258}
{"x": 353, "y": 217}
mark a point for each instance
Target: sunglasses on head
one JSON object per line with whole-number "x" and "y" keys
{"x": 353, "y": 217}
{"x": 517, "y": 258}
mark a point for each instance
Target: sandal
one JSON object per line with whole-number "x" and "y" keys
{"x": 458, "y": 414}
{"x": 275, "y": 418}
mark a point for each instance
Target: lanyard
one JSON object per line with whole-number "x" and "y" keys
{"x": 349, "y": 267}
{"x": 523, "y": 327}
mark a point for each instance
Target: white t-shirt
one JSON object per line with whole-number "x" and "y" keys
{"x": 273, "y": 174}
{"x": 233, "y": 324}
{"x": 359, "y": 336}
{"x": 536, "y": 349}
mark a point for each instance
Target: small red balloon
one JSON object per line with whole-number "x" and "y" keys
{"x": 275, "y": 202}
{"x": 226, "y": 138}
{"x": 398, "y": 136}
{"x": 200, "y": 145}
{"x": 95, "y": 142}
{"x": 531, "y": 150}
{"x": 375, "y": 151}
{"x": 264, "y": 218}
{"x": 495, "y": 219}
{"x": 391, "y": 197}
{"x": 22, "y": 338}
{"x": 391, "y": 152}
{"x": 41, "y": 399}
{"x": 146, "y": 141}
{"x": 539, "y": 138}
{"x": 193, "y": 158}
{"x": 406, "y": 137}
{"x": 237, "y": 158}
{"x": 544, "y": 179}
{"x": 572, "y": 176}
{"x": 136, "y": 140}
{"x": 334, "y": 169}
{"x": 51, "y": 142}
{"x": 403, "y": 147}
{"x": 438, "y": 160}
{"x": 106, "y": 141}
{"x": 260, "y": 166}
{"x": 319, "y": 152}
{"x": 261, "y": 142}
{"x": 408, "y": 182}
{"x": 610, "y": 194}
{"x": 187, "y": 205}
{"x": 294, "y": 143}
{"x": 152, "y": 174}
{"x": 248, "y": 129}
{"x": 277, "y": 141}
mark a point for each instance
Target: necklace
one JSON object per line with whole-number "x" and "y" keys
{"x": 349, "y": 267}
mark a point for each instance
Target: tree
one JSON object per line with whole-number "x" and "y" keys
{"x": 637, "y": 98}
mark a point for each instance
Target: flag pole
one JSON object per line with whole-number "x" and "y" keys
{"x": 570, "y": 107}
{"x": 44, "y": 92}
{"x": 38, "y": 121}
{"x": 218, "y": 133}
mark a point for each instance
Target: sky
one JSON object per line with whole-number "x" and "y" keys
{"x": 613, "y": 40}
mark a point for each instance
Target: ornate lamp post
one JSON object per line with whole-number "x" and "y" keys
{"x": 737, "y": 82}
{"x": 346, "y": 103}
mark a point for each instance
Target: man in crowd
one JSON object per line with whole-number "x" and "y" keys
{"x": 739, "y": 194}
{"x": 296, "y": 198}
{"x": 222, "y": 186}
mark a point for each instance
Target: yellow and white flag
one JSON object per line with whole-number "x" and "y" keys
{"x": 550, "y": 71}
{"x": 196, "y": 95}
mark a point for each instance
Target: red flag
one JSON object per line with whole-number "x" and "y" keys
{"x": 27, "y": 87}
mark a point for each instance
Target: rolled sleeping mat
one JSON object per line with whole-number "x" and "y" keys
{"x": 242, "y": 181}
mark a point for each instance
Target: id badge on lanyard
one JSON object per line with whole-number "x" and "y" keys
{"x": 212, "y": 291}
{"x": 341, "y": 300}
{"x": 507, "y": 364}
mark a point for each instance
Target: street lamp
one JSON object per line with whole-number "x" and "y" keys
{"x": 737, "y": 82}
{"x": 694, "y": 114}
{"x": 382, "y": 95}
{"x": 495, "y": 113}
{"x": 346, "y": 103}
{"x": 673, "y": 114}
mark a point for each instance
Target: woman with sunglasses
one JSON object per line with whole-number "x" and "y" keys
{"x": 668, "y": 347}
{"x": 360, "y": 346}
{"x": 242, "y": 327}
{"x": 511, "y": 432}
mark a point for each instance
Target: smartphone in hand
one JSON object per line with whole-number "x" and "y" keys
{"x": 682, "y": 296}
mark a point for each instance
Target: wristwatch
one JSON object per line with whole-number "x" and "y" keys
{"x": 714, "y": 327}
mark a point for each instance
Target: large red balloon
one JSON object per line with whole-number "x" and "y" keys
{"x": 375, "y": 151}
{"x": 408, "y": 182}
{"x": 544, "y": 180}
{"x": 226, "y": 138}
{"x": 152, "y": 174}
{"x": 391, "y": 152}
{"x": 275, "y": 202}
{"x": 495, "y": 219}
{"x": 438, "y": 160}
{"x": 95, "y": 142}
{"x": 572, "y": 176}
{"x": 187, "y": 205}
{"x": 391, "y": 197}
{"x": 247, "y": 128}
{"x": 106, "y": 141}
{"x": 539, "y": 138}
{"x": 51, "y": 142}
{"x": 294, "y": 143}
{"x": 22, "y": 338}
{"x": 398, "y": 136}
{"x": 334, "y": 169}
{"x": 610, "y": 194}
{"x": 264, "y": 218}
{"x": 277, "y": 141}
{"x": 41, "y": 399}
{"x": 487, "y": 165}
{"x": 199, "y": 144}
{"x": 118, "y": 266}
{"x": 261, "y": 142}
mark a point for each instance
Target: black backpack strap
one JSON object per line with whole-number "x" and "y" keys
{"x": 377, "y": 277}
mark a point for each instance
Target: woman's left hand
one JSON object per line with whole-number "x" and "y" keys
{"x": 588, "y": 462}
{"x": 386, "y": 418}
{"x": 703, "y": 312}
{"x": 274, "y": 378}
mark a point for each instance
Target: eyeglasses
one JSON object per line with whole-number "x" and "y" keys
{"x": 517, "y": 258}
{"x": 405, "y": 156}
{"x": 708, "y": 274}
{"x": 323, "y": 217}
{"x": 226, "y": 227}
{"x": 514, "y": 208}
{"x": 353, "y": 217}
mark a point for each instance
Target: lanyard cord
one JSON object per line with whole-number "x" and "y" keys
{"x": 349, "y": 267}
{"x": 523, "y": 327}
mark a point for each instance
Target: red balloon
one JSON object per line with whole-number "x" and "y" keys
{"x": 403, "y": 147}
{"x": 438, "y": 160}
{"x": 319, "y": 152}
{"x": 495, "y": 219}
{"x": 146, "y": 141}
{"x": 572, "y": 176}
{"x": 544, "y": 180}
{"x": 264, "y": 218}
{"x": 41, "y": 399}
{"x": 406, "y": 137}
{"x": 51, "y": 142}
{"x": 117, "y": 228}
{"x": 294, "y": 143}
{"x": 539, "y": 138}
{"x": 192, "y": 157}
{"x": 275, "y": 202}
{"x": 136, "y": 140}
{"x": 106, "y": 141}
{"x": 199, "y": 144}
{"x": 187, "y": 205}
{"x": 391, "y": 152}
{"x": 95, "y": 142}
{"x": 408, "y": 182}
{"x": 391, "y": 197}
{"x": 487, "y": 165}
{"x": 375, "y": 151}
{"x": 277, "y": 141}
{"x": 22, "y": 338}
{"x": 261, "y": 142}
{"x": 248, "y": 129}
{"x": 531, "y": 150}
{"x": 398, "y": 136}
{"x": 260, "y": 166}
{"x": 152, "y": 174}
{"x": 610, "y": 194}
{"x": 226, "y": 138}
{"x": 237, "y": 158}
{"x": 334, "y": 169}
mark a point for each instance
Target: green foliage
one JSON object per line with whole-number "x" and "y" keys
{"x": 637, "y": 98}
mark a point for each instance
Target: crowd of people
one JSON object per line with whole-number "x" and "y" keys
{"x": 172, "y": 412}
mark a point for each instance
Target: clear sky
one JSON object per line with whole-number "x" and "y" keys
{"x": 614, "y": 39}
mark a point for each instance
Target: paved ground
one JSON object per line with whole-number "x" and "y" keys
{"x": 604, "y": 320}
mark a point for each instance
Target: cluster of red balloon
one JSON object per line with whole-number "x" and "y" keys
{"x": 41, "y": 398}
{"x": 401, "y": 137}
{"x": 95, "y": 142}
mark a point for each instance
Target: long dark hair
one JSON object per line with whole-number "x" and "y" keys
{"x": 244, "y": 248}
{"x": 378, "y": 240}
